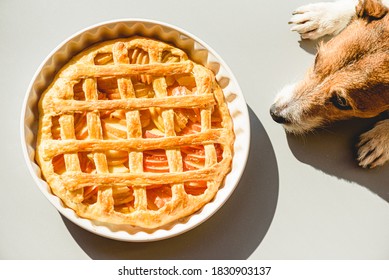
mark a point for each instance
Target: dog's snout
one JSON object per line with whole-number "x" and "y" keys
{"x": 275, "y": 114}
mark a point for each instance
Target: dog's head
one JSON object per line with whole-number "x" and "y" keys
{"x": 350, "y": 76}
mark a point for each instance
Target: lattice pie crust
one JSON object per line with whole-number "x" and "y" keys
{"x": 133, "y": 132}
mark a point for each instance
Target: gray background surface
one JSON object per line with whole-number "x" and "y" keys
{"x": 299, "y": 198}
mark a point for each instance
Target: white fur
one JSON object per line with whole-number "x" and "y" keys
{"x": 316, "y": 20}
{"x": 293, "y": 110}
{"x": 285, "y": 95}
{"x": 374, "y": 145}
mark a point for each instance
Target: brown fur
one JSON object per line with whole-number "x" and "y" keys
{"x": 371, "y": 9}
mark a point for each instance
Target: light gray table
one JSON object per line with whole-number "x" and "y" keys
{"x": 299, "y": 198}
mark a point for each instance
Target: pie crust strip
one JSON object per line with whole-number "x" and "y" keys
{"x": 121, "y": 70}
{"x": 56, "y": 147}
{"x": 59, "y": 106}
{"x": 71, "y": 160}
{"x": 76, "y": 180}
{"x": 104, "y": 196}
{"x": 134, "y": 126}
{"x": 173, "y": 154}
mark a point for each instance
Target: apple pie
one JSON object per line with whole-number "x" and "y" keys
{"x": 131, "y": 131}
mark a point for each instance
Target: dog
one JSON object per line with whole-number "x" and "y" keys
{"x": 350, "y": 75}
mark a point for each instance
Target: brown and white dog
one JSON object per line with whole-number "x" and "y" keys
{"x": 350, "y": 76}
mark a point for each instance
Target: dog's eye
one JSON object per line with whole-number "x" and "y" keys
{"x": 340, "y": 102}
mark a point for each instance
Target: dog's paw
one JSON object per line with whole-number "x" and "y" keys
{"x": 314, "y": 21}
{"x": 373, "y": 147}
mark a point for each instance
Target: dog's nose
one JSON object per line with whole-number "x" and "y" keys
{"x": 274, "y": 113}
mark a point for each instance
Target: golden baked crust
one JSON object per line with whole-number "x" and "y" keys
{"x": 133, "y": 132}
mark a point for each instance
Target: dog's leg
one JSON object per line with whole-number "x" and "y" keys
{"x": 316, "y": 20}
{"x": 374, "y": 145}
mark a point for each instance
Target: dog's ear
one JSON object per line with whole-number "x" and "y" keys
{"x": 371, "y": 9}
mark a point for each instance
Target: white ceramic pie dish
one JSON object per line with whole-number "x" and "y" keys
{"x": 198, "y": 51}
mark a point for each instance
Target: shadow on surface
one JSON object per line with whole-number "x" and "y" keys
{"x": 234, "y": 232}
{"x": 310, "y": 46}
{"x": 333, "y": 151}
